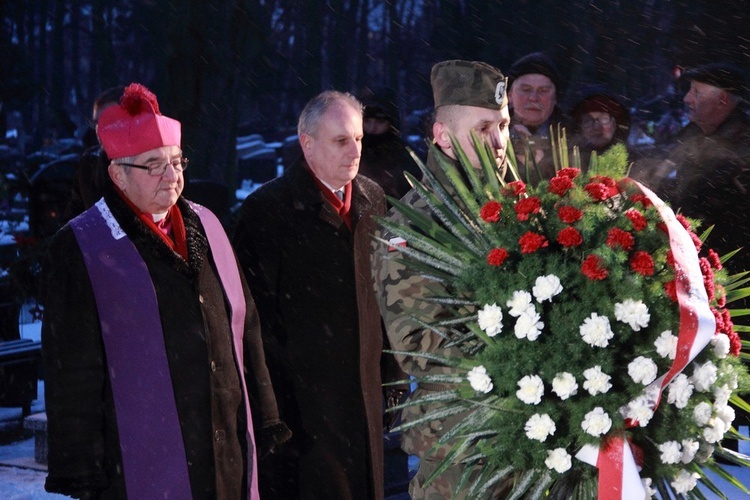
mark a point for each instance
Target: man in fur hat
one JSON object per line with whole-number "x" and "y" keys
{"x": 148, "y": 332}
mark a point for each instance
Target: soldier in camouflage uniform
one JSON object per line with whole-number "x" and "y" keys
{"x": 469, "y": 96}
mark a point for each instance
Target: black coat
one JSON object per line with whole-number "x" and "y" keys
{"x": 712, "y": 183}
{"x": 321, "y": 327}
{"x": 84, "y": 452}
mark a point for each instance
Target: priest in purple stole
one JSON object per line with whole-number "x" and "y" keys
{"x": 155, "y": 378}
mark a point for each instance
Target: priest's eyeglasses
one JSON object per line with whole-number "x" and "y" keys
{"x": 178, "y": 164}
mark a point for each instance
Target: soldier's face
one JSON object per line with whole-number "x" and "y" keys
{"x": 333, "y": 152}
{"x": 533, "y": 98}
{"x": 491, "y": 125}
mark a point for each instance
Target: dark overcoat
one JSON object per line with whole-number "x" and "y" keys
{"x": 310, "y": 276}
{"x": 84, "y": 451}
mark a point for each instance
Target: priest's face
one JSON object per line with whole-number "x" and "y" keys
{"x": 152, "y": 194}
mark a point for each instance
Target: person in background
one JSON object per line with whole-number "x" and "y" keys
{"x": 385, "y": 156}
{"x": 601, "y": 120}
{"x": 533, "y": 94}
{"x": 91, "y": 174}
{"x": 152, "y": 349}
{"x": 303, "y": 240}
{"x": 469, "y": 96}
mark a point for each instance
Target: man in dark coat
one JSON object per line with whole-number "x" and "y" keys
{"x": 148, "y": 334}
{"x": 303, "y": 241}
{"x": 385, "y": 156}
{"x": 709, "y": 166}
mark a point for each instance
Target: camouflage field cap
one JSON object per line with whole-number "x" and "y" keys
{"x": 468, "y": 83}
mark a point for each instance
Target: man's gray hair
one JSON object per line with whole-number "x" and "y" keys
{"x": 309, "y": 118}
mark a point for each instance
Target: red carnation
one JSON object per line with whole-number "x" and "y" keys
{"x": 670, "y": 258}
{"x": 619, "y": 238}
{"x": 662, "y": 227}
{"x": 714, "y": 259}
{"x": 515, "y": 188}
{"x": 497, "y": 256}
{"x": 569, "y": 172}
{"x": 642, "y": 199}
{"x": 636, "y": 218}
{"x": 597, "y": 192}
{"x": 569, "y": 214}
{"x": 527, "y": 206}
{"x": 134, "y": 98}
{"x": 696, "y": 241}
{"x": 601, "y": 188}
{"x": 642, "y": 263}
{"x": 531, "y": 242}
{"x": 719, "y": 319}
{"x": 569, "y": 237}
{"x": 670, "y": 288}
{"x": 490, "y": 212}
{"x": 735, "y": 344}
{"x": 593, "y": 269}
{"x": 708, "y": 277}
{"x": 726, "y": 318}
{"x": 683, "y": 220}
{"x": 560, "y": 185}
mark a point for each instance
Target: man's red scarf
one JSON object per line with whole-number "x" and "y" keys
{"x": 341, "y": 206}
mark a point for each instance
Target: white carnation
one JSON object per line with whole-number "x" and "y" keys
{"x": 721, "y": 345}
{"x": 479, "y": 379}
{"x": 633, "y": 312}
{"x": 531, "y": 389}
{"x": 702, "y": 413}
{"x": 680, "y": 390}
{"x": 666, "y": 345}
{"x": 546, "y": 287}
{"x": 528, "y": 325}
{"x": 714, "y": 431}
{"x": 539, "y": 427}
{"x": 689, "y": 449}
{"x": 491, "y": 319}
{"x": 721, "y": 395}
{"x": 726, "y": 413}
{"x": 642, "y": 370}
{"x": 639, "y": 410}
{"x": 596, "y": 422}
{"x": 646, "y": 482}
{"x": 671, "y": 452}
{"x": 704, "y": 376}
{"x": 519, "y": 303}
{"x": 564, "y": 385}
{"x": 596, "y": 381}
{"x": 558, "y": 459}
{"x": 596, "y": 331}
{"x": 685, "y": 481}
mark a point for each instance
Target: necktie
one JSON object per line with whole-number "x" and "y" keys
{"x": 339, "y": 194}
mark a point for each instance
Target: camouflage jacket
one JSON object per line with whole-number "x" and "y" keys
{"x": 400, "y": 293}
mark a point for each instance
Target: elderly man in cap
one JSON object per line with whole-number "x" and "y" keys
{"x": 152, "y": 348}
{"x": 534, "y": 87}
{"x": 469, "y": 96}
{"x": 708, "y": 169}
